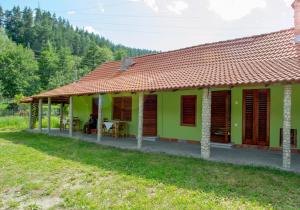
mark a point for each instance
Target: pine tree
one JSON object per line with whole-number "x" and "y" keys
{"x": 27, "y": 19}
{"x": 1, "y": 17}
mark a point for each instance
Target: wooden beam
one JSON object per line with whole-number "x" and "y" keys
{"x": 49, "y": 115}
{"x": 99, "y": 122}
{"x": 40, "y": 114}
{"x": 30, "y": 116}
{"x": 71, "y": 116}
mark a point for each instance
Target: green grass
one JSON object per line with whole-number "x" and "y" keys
{"x": 38, "y": 171}
{"x": 18, "y": 122}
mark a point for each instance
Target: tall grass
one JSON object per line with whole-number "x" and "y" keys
{"x": 19, "y": 122}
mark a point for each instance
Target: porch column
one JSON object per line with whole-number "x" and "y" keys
{"x": 71, "y": 116}
{"x": 49, "y": 115}
{"x": 30, "y": 116}
{"x": 99, "y": 122}
{"x": 40, "y": 114}
{"x": 141, "y": 117}
{"x": 206, "y": 123}
{"x": 286, "y": 145}
{"x": 61, "y": 117}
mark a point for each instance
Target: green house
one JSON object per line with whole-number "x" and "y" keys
{"x": 243, "y": 92}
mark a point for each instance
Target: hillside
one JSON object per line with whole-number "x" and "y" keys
{"x": 42, "y": 51}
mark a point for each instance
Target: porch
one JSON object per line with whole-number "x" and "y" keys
{"x": 240, "y": 156}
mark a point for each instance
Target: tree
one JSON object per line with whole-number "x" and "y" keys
{"x": 13, "y": 24}
{"x": 119, "y": 54}
{"x": 1, "y": 17}
{"x": 67, "y": 71}
{"x": 18, "y": 69}
{"x": 48, "y": 64}
{"x": 96, "y": 56}
{"x": 27, "y": 25}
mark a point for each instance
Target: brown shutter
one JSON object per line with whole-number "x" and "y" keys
{"x": 95, "y": 107}
{"x": 220, "y": 116}
{"x": 262, "y": 117}
{"x": 256, "y": 117}
{"x": 117, "y": 108}
{"x": 126, "y": 109}
{"x": 122, "y": 107}
{"x": 188, "y": 110}
{"x": 248, "y": 115}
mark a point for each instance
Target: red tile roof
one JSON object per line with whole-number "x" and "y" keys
{"x": 261, "y": 59}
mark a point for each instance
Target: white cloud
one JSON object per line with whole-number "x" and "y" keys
{"x": 152, "y": 4}
{"x": 235, "y": 9}
{"x": 288, "y": 2}
{"x": 71, "y": 12}
{"x": 91, "y": 29}
{"x": 177, "y": 7}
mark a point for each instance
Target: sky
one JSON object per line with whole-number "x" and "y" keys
{"x": 169, "y": 24}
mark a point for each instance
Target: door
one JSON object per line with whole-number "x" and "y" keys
{"x": 220, "y": 116}
{"x": 256, "y": 117}
{"x": 150, "y": 115}
{"x": 95, "y": 107}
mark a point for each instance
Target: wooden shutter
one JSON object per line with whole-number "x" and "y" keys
{"x": 122, "y": 107}
{"x": 256, "y": 117}
{"x": 220, "y": 116}
{"x": 95, "y": 107}
{"x": 248, "y": 116}
{"x": 150, "y": 115}
{"x": 126, "y": 109}
{"x": 117, "y": 108}
{"x": 262, "y": 117}
{"x": 188, "y": 110}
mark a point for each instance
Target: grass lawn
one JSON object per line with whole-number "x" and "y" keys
{"x": 38, "y": 171}
{"x": 20, "y": 122}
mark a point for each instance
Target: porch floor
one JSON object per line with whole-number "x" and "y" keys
{"x": 241, "y": 156}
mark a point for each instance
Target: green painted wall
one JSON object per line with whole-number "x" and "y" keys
{"x": 168, "y": 125}
{"x": 169, "y": 115}
{"x": 82, "y": 108}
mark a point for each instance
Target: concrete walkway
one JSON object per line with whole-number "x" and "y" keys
{"x": 242, "y": 156}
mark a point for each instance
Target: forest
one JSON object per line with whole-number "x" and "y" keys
{"x": 39, "y": 51}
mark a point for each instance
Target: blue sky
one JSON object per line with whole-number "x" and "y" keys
{"x": 169, "y": 24}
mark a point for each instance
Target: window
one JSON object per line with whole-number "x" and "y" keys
{"x": 188, "y": 110}
{"x": 122, "y": 108}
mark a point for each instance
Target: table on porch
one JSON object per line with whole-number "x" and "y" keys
{"x": 115, "y": 128}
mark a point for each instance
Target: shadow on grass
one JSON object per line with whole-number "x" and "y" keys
{"x": 257, "y": 184}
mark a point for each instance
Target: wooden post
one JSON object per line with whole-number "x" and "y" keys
{"x": 286, "y": 144}
{"x": 141, "y": 117}
{"x": 30, "y": 116}
{"x": 71, "y": 116}
{"x": 61, "y": 117}
{"x": 99, "y": 121}
{"x": 49, "y": 114}
{"x": 40, "y": 114}
{"x": 206, "y": 123}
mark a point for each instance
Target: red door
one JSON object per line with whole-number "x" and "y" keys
{"x": 150, "y": 115}
{"x": 256, "y": 117}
